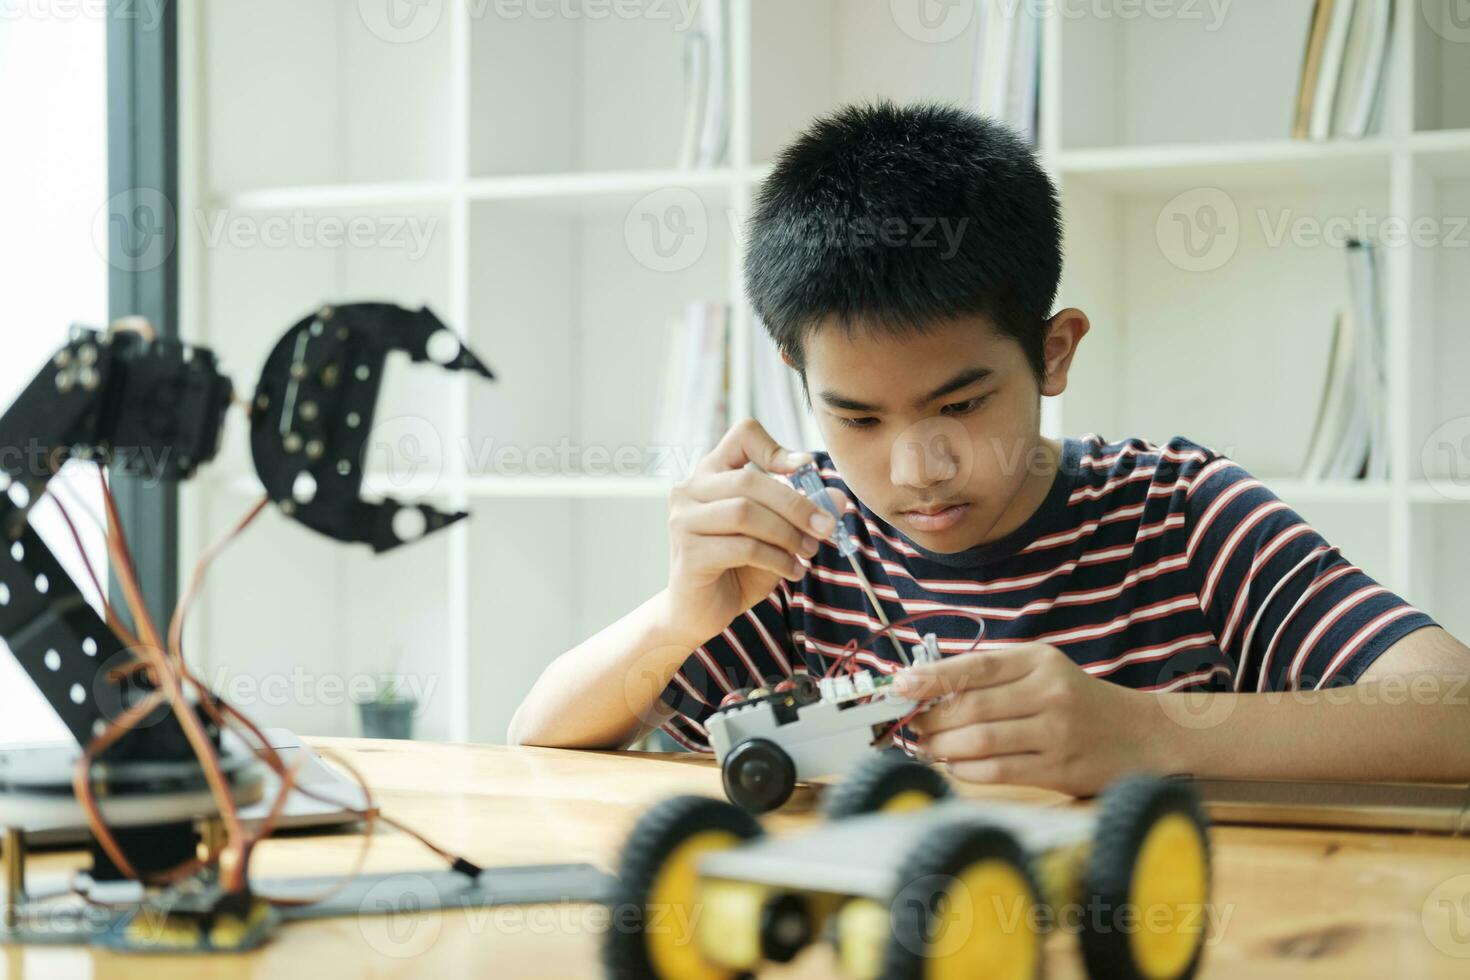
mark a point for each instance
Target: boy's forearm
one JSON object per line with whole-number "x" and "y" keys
{"x": 1409, "y": 728}
{"x": 605, "y": 692}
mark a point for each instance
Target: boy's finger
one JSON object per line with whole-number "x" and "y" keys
{"x": 774, "y": 493}
{"x": 963, "y": 672}
{"x": 749, "y": 442}
{"x": 998, "y": 703}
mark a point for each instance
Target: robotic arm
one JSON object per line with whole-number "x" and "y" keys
{"x": 157, "y": 408}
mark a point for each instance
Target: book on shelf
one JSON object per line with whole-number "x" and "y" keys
{"x": 1343, "y": 69}
{"x": 706, "y": 134}
{"x": 1360, "y": 85}
{"x": 1007, "y": 65}
{"x": 1350, "y": 436}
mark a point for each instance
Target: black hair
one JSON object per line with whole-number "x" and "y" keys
{"x": 900, "y": 217}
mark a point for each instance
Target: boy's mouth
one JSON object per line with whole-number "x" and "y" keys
{"x": 934, "y": 519}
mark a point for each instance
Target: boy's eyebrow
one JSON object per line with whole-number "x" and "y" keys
{"x": 963, "y": 379}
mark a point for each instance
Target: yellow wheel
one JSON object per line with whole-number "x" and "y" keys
{"x": 1147, "y": 882}
{"x": 657, "y": 924}
{"x": 889, "y": 782}
{"x": 967, "y": 907}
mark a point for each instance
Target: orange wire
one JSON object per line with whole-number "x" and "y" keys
{"x": 170, "y": 672}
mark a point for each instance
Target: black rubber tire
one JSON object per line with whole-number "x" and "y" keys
{"x": 875, "y": 781}
{"x": 1127, "y": 810}
{"x": 758, "y": 775}
{"x": 926, "y": 873}
{"x": 656, "y": 835}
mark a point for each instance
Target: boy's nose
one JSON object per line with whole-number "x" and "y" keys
{"x": 923, "y": 459}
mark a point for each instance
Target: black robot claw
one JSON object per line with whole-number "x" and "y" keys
{"x": 314, "y": 412}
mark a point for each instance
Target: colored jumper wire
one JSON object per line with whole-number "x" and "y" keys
{"x": 809, "y": 484}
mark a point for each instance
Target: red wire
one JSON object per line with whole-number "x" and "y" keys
{"x": 853, "y": 647}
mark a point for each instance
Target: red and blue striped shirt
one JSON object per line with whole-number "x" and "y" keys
{"x": 1159, "y": 568}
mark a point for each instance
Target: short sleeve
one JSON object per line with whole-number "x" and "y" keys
{"x": 1288, "y": 608}
{"x": 755, "y": 649}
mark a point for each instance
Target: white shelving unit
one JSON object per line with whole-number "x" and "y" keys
{"x": 534, "y": 154}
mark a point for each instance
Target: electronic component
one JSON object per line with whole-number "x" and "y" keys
{"x": 151, "y": 775}
{"x": 767, "y": 742}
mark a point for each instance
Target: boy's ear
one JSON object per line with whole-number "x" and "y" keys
{"x": 1063, "y": 333}
{"x": 786, "y": 358}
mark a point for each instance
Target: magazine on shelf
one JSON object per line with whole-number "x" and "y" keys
{"x": 706, "y": 135}
{"x": 1340, "y": 92}
{"x": 1359, "y": 88}
{"x": 1335, "y": 410}
{"x": 1368, "y": 316}
{"x": 1333, "y": 49}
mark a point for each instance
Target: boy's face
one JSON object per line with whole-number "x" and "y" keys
{"x": 938, "y": 433}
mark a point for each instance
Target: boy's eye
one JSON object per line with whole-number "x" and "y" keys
{"x": 964, "y": 407}
{"x": 862, "y": 422}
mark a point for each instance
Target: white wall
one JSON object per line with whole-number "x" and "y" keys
{"x": 53, "y": 182}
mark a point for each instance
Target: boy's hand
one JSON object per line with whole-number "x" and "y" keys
{"x": 735, "y": 532}
{"x": 1029, "y": 715}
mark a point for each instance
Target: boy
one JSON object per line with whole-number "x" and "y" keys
{"x": 1141, "y": 602}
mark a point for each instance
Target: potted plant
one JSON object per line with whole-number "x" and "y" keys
{"x": 390, "y": 712}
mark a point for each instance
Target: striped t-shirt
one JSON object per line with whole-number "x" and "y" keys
{"x": 1159, "y": 568}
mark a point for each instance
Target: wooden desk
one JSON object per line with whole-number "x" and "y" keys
{"x": 1292, "y": 903}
